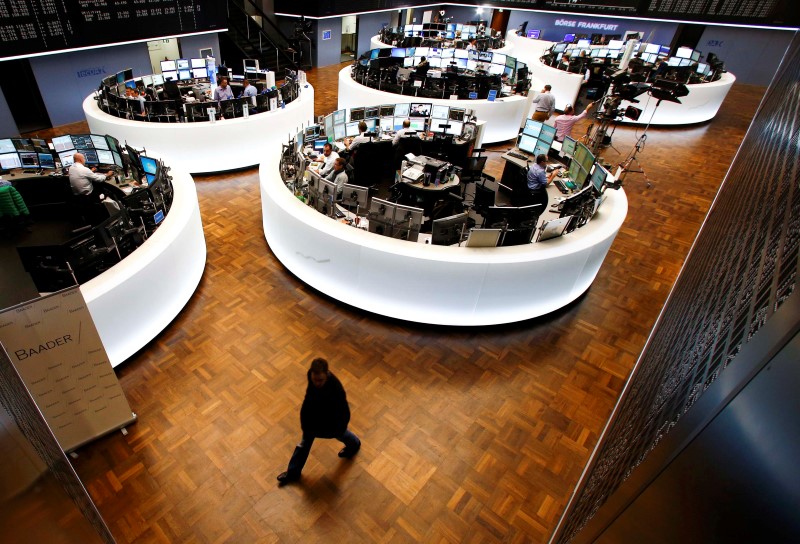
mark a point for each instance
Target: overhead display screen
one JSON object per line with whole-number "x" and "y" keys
{"x": 28, "y": 27}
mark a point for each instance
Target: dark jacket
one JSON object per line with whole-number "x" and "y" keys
{"x": 325, "y": 412}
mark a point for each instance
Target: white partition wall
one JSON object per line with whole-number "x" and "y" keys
{"x": 198, "y": 147}
{"x": 137, "y": 298}
{"x": 433, "y": 284}
{"x": 503, "y": 116}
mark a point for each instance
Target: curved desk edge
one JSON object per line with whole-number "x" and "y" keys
{"x": 132, "y": 302}
{"x": 433, "y": 284}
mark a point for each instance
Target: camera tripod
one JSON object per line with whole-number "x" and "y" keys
{"x": 625, "y": 166}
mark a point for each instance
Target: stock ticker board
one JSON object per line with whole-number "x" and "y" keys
{"x": 28, "y": 27}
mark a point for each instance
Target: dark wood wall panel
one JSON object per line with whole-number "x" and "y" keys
{"x": 740, "y": 272}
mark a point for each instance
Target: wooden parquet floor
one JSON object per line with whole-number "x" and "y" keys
{"x": 469, "y": 435}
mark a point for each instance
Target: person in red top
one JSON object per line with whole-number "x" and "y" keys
{"x": 565, "y": 122}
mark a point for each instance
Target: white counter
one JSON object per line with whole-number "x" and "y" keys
{"x": 208, "y": 147}
{"x": 137, "y": 298}
{"x": 503, "y": 117}
{"x": 433, "y": 284}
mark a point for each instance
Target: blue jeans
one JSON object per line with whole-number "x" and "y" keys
{"x": 301, "y": 451}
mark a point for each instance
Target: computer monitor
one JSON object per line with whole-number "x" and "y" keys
{"x": 46, "y": 161}
{"x": 684, "y": 52}
{"x": 168, "y": 66}
{"x": 497, "y": 69}
{"x": 22, "y": 144}
{"x": 447, "y": 231}
{"x": 149, "y": 164}
{"x": 569, "y": 38}
{"x": 319, "y": 144}
{"x": 462, "y": 63}
{"x": 200, "y": 73}
{"x": 90, "y": 155}
{"x": 615, "y": 44}
{"x": 351, "y": 130}
{"x": 7, "y": 146}
{"x": 40, "y": 146}
{"x": 532, "y": 128}
{"x": 158, "y": 79}
{"x": 598, "y": 178}
{"x": 460, "y": 54}
{"x": 387, "y": 123}
{"x": 398, "y": 122}
{"x": 457, "y": 114}
{"x": 199, "y": 63}
{"x": 9, "y": 161}
{"x": 184, "y": 75}
{"x": 420, "y": 110}
{"x": 485, "y": 56}
{"x": 339, "y": 116}
{"x": 182, "y": 64}
{"x": 440, "y": 112}
{"x": 547, "y": 134}
{"x": 568, "y": 147}
{"x": 542, "y": 148}
{"x": 438, "y": 126}
{"x": 355, "y": 195}
{"x": 527, "y": 143}
{"x": 99, "y": 142}
{"x": 374, "y": 54}
{"x": 447, "y": 54}
{"x": 387, "y": 110}
{"x": 326, "y": 196}
{"x": 417, "y": 124}
{"x": 381, "y": 211}
{"x": 65, "y": 157}
{"x": 399, "y": 52}
{"x": 170, "y": 76}
{"x": 105, "y": 157}
{"x": 82, "y": 141}
{"x": 471, "y": 65}
{"x": 407, "y": 222}
{"x": 130, "y": 84}
{"x": 371, "y": 112}
{"x": 456, "y": 128}
{"x": 338, "y": 132}
{"x": 62, "y": 143}
{"x": 356, "y": 114}
{"x": 401, "y": 110}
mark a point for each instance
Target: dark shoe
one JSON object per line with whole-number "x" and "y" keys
{"x": 347, "y": 454}
{"x": 286, "y": 478}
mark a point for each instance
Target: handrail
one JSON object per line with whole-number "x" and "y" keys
{"x": 262, "y": 36}
{"x": 265, "y": 17}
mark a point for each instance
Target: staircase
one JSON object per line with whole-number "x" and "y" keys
{"x": 249, "y": 38}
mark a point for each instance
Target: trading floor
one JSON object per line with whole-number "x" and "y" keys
{"x": 469, "y": 434}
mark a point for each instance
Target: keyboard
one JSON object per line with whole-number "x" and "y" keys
{"x": 519, "y": 156}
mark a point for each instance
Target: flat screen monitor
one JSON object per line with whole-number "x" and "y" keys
{"x": 460, "y": 54}
{"x": 46, "y": 161}
{"x": 408, "y": 62}
{"x": 457, "y": 114}
{"x": 200, "y": 73}
{"x": 170, "y": 76}
{"x": 198, "y": 63}
{"x": 451, "y": 27}
{"x": 584, "y": 43}
{"x": 399, "y": 52}
{"x": 674, "y": 61}
{"x": 149, "y": 165}
{"x": 117, "y": 159}
{"x": 407, "y": 222}
{"x": 355, "y": 195}
{"x": 703, "y": 69}
{"x": 584, "y": 156}
{"x": 338, "y": 131}
{"x": 99, "y": 142}
{"x": 356, "y": 114}
{"x": 130, "y": 84}
{"x": 649, "y": 57}
{"x": 417, "y": 124}
{"x": 105, "y": 157}
{"x": 22, "y": 144}
{"x": 486, "y": 56}
{"x": 184, "y": 75}
{"x": 120, "y": 78}
{"x": 401, "y": 110}
{"x": 435, "y": 63}
{"x": 447, "y": 231}
{"x": 420, "y": 110}
{"x": 534, "y": 34}
{"x": 695, "y": 55}
{"x": 568, "y": 147}
{"x": 82, "y": 141}
{"x": 182, "y": 64}
{"x": 9, "y": 161}
{"x": 527, "y": 143}
{"x": 448, "y": 53}
{"x": 6, "y": 146}
{"x": 158, "y": 79}
{"x": 496, "y": 69}
{"x": 547, "y": 134}
{"x": 387, "y": 123}
{"x": 66, "y": 157}
{"x": 168, "y": 66}
{"x": 351, "y": 129}
{"x": 499, "y": 58}
{"x": 90, "y": 155}
{"x": 542, "y": 148}
{"x": 387, "y": 110}
{"x": 62, "y": 143}
{"x": 532, "y": 128}
{"x": 329, "y": 127}
{"x": 576, "y": 173}
{"x": 472, "y": 54}
{"x": 686, "y": 62}
{"x": 615, "y": 44}
{"x": 421, "y": 51}
{"x": 371, "y": 112}
{"x": 462, "y": 63}
{"x": 40, "y": 146}
{"x": 652, "y": 48}
{"x": 339, "y": 116}
{"x": 684, "y": 52}
{"x": 438, "y": 126}
{"x": 440, "y": 112}
{"x": 471, "y": 65}
{"x": 398, "y": 122}
{"x": 456, "y": 128}
{"x": 599, "y": 177}
{"x": 559, "y": 47}
{"x": 569, "y": 38}
{"x": 381, "y": 211}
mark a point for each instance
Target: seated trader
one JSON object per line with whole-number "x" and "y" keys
{"x": 402, "y": 132}
{"x": 248, "y": 91}
{"x": 360, "y": 139}
{"x": 81, "y": 178}
{"x": 338, "y": 175}
{"x": 422, "y": 68}
{"x": 545, "y": 105}
{"x": 565, "y": 122}
{"x": 538, "y": 180}
{"x": 327, "y": 158}
{"x": 223, "y": 92}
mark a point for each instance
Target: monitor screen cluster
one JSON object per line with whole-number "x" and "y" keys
{"x": 492, "y": 62}
{"x": 35, "y": 153}
{"x": 581, "y": 164}
{"x": 447, "y": 31}
{"x": 536, "y": 138}
{"x": 390, "y": 117}
{"x": 184, "y": 69}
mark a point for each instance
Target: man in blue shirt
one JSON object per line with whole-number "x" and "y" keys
{"x": 249, "y": 91}
{"x": 223, "y": 92}
{"x": 538, "y": 180}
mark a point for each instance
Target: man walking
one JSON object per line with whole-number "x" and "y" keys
{"x": 324, "y": 414}
{"x": 545, "y": 105}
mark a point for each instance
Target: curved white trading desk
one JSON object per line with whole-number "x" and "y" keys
{"x": 209, "y": 147}
{"x": 376, "y": 43}
{"x": 137, "y": 298}
{"x": 701, "y": 104}
{"x": 503, "y": 117}
{"x": 433, "y": 284}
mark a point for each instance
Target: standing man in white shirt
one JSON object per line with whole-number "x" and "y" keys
{"x": 545, "y": 105}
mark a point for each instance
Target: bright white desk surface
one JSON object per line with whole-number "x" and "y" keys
{"x": 137, "y": 298}
{"x": 202, "y": 147}
{"x": 503, "y": 117}
{"x": 433, "y": 284}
